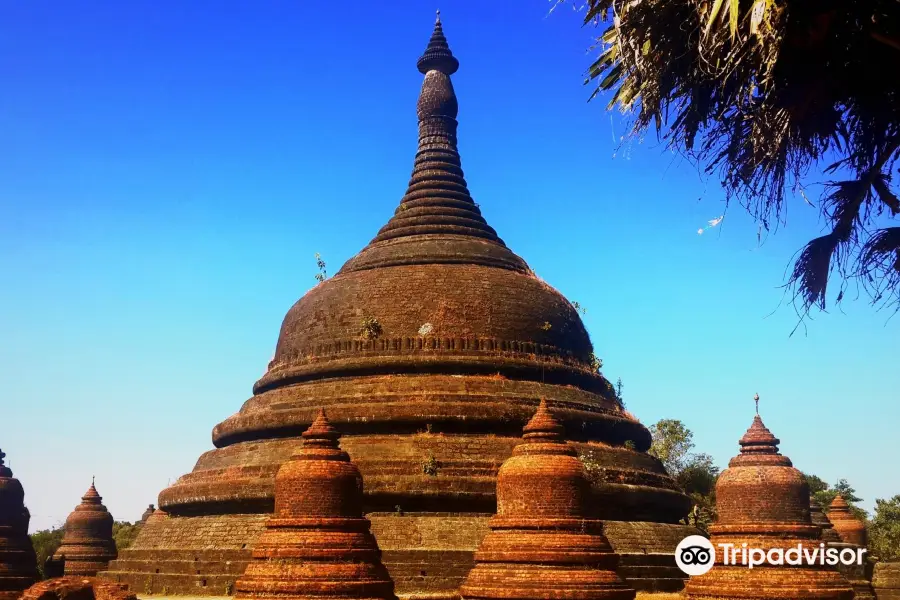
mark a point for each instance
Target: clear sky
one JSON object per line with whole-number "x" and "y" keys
{"x": 169, "y": 169}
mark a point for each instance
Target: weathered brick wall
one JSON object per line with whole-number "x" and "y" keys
{"x": 886, "y": 580}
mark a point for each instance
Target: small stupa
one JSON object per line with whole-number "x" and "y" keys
{"x": 820, "y": 519}
{"x": 18, "y": 565}
{"x": 148, "y": 513}
{"x": 318, "y": 544}
{"x": 851, "y": 529}
{"x": 87, "y": 544}
{"x": 763, "y": 501}
{"x": 541, "y": 544}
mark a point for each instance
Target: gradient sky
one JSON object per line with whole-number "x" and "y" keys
{"x": 169, "y": 169}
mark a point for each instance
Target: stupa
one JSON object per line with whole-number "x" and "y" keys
{"x": 430, "y": 349}
{"x": 819, "y": 518}
{"x": 148, "y": 513}
{"x": 18, "y": 564}
{"x": 763, "y": 501}
{"x": 848, "y": 525}
{"x": 542, "y": 543}
{"x": 87, "y": 544}
{"x": 318, "y": 544}
{"x": 851, "y": 529}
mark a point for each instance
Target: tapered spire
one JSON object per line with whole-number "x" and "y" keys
{"x": 437, "y": 55}
{"x": 437, "y": 220}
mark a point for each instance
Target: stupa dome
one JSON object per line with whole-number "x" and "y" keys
{"x": 87, "y": 544}
{"x": 851, "y": 529}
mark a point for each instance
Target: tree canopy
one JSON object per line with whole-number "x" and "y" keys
{"x": 884, "y": 529}
{"x": 695, "y": 473}
{"x": 825, "y": 493}
{"x": 46, "y": 542}
{"x": 762, "y": 92}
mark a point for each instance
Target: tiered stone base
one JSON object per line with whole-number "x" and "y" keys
{"x": 426, "y": 554}
{"x": 646, "y": 553}
{"x": 194, "y": 556}
{"x": 886, "y": 581}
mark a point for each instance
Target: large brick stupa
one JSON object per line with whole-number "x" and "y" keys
{"x": 18, "y": 564}
{"x": 430, "y": 350}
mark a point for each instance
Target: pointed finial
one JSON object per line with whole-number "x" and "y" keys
{"x": 93, "y": 480}
{"x": 437, "y": 21}
{"x": 437, "y": 55}
{"x": 320, "y": 432}
{"x": 544, "y": 425}
{"x": 756, "y": 399}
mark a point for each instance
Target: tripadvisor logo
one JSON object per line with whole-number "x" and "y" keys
{"x": 695, "y": 555}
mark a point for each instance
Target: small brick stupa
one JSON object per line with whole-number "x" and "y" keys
{"x": 148, "y": 513}
{"x": 541, "y": 543}
{"x": 851, "y": 529}
{"x": 763, "y": 501}
{"x": 18, "y": 565}
{"x": 87, "y": 544}
{"x": 851, "y": 533}
{"x": 819, "y": 518}
{"x": 318, "y": 543}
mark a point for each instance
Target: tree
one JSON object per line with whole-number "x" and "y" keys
{"x": 672, "y": 443}
{"x": 884, "y": 529}
{"x": 816, "y": 484}
{"x": 124, "y": 533}
{"x": 762, "y": 92}
{"x": 695, "y": 473}
{"x": 824, "y": 494}
{"x": 45, "y": 543}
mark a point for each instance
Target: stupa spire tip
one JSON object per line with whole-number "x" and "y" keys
{"x": 437, "y": 55}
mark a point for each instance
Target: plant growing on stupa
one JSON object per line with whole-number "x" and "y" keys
{"x": 322, "y": 275}
{"x": 430, "y": 466}
{"x": 370, "y": 329}
{"x": 767, "y": 96}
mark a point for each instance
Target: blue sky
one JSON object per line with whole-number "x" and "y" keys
{"x": 168, "y": 171}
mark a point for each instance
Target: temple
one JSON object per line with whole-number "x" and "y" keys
{"x": 848, "y": 527}
{"x": 317, "y": 544}
{"x": 87, "y": 544}
{"x": 148, "y": 513}
{"x": 18, "y": 564}
{"x": 850, "y": 533}
{"x": 542, "y": 543}
{"x": 818, "y": 517}
{"x": 430, "y": 349}
{"x": 763, "y": 501}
